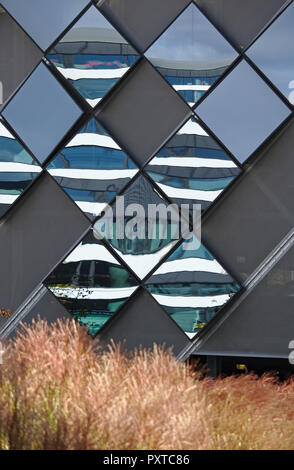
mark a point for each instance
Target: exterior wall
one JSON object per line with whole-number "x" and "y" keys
{"x": 142, "y": 105}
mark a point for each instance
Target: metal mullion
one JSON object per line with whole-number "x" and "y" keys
{"x": 117, "y": 28}
{"x": 166, "y": 28}
{"x": 270, "y": 84}
{"x": 19, "y": 200}
{"x": 114, "y": 316}
{"x": 67, "y": 253}
{"x": 26, "y": 33}
{"x": 66, "y": 30}
{"x": 268, "y": 24}
{"x": 98, "y": 108}
{"x": 219, "y": 30}
{"x": 168, "y": 315}
{"x": 45, "y": 171}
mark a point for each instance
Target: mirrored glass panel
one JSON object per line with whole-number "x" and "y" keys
{"x": 32, "y": 112}
{"x": 242, "y": 111}
{"x": 44, "y": 20}
{"x": 93, "y": 56}
{"x": 273, "y": 53}
{"x": 92, "y": 168}
{"x": 140, "y": 227}
{"x": 191, "y": 286}
{"x": 192, "y": 168}
{"x": 17, "y": 169}
{"x": 191, "y": 54}
{"x": 91, "y": 283}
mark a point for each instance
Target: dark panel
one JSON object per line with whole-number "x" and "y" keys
{"x": 44, "y": 21}
{"x": 138, "y": 115}
{"x": 143, "y": 322}
{"x": 18, "y": 56}
{"x": 42, "y": 227}
{"x": 141, "y": 21}
{"x": 257, "y": 211}
{"x": 240, "y": 21}
{"x": 48, "y": 308}
{"x": 262, "y": 325}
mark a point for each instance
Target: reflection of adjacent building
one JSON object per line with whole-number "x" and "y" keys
{"x": 92, "y": 168}
{"x": 91, "y": 283}
{"x": 191, "y": 286}
{"x": 191, "y": 80}
{"x": 92, "y": 58}
{"x": 192, "y": 168}
{"x": 17, "y": 169}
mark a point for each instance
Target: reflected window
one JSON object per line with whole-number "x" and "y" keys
{"x": 192, "y": 168}
{"x": 191, "y": 54}
{"x": 33, "y": 114}
{"x": 242, "y": 111}
{"x": 17, "y": 169}
{"x": 44, "y": 21}
{"x": 91, "y": 283}
{"x": 191, "y": 286}
{"x": 92, "y": 168}
{"x": 93, "y": 56}
{"x": 273, "y": 53}
{"x": 139, "y": 233}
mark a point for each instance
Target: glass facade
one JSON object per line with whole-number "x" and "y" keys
{"x": 112, "y": 131}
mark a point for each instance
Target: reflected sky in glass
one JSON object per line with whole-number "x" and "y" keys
{"x": 44, "y": 20}
{"x": 92, "y": 168}
{"x": 191, "y": 54}
{"x": 17, "y": 169}
{"x": 138, "y": 250}
{"x": 93, "y": 56}
{"x": 41, "y": 112}
{"x": 273, "y": 53}
{"x": 191, "y": 286}
{"x": 242, "y": 111}
{"x": 192, "y": 168}
{"x": 91, "y": 283}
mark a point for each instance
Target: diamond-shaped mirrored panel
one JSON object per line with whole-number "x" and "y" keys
{"x": 92, "y": 168}
{"x": 242, "y": 111}
{"x": 274, "y": 55}
{"x": 44, "y": 20}
{"x": 32, "y": 112}
{"x": 17, "y": 169}
{"x": 140, "y": 227}
{"x": 191, "y": 286}
{"x": 192, "y": 168}
{"x": 191, "y": 54}
{"x": 93, "y": 56}
{"x": 91, "y": 283}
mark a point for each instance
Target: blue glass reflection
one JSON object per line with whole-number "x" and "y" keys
{"x": 191, "y": 54}
{"x": 91, "y": 283}
{"x": 191, "y": 168}
{"x": 17, "y": 169}
{"x": 92, "y": 168}
{"x": 93, "y": 56}
{"x": 150, "y": 238}
{"x": 191, "y": 286}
